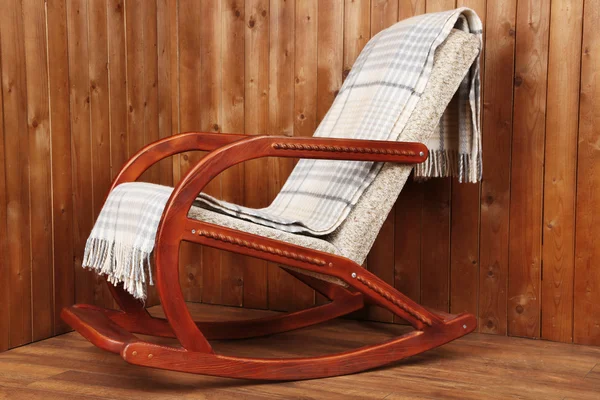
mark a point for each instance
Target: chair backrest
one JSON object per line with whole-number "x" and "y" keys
{"x": 355, "y": 237}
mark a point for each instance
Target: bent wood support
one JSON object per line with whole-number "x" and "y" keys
{"x": 113, "y": 330}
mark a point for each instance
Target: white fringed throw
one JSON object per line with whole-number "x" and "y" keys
{"x": 374, "y": 103}
{"x": 123, "y": 237}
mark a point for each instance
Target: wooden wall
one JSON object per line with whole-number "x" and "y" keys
{"x": 86, "y": 83}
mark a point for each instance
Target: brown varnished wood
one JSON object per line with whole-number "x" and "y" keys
{"x": 110, "y": 329}
{"x": 364, "y": 358}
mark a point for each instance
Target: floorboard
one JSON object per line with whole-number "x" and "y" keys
{"x": 477, "y": 366}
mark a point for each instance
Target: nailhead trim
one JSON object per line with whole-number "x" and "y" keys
{"x": 260, "y": 247}
{"x": 388, "y": 296}
{"x": 343, "y": 149}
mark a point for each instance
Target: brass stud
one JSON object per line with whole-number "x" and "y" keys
{"x": 134, "y": 353}
{"x": 150, "y": 356}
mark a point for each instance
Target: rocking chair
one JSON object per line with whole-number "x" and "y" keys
{"x": 330, "y": 264}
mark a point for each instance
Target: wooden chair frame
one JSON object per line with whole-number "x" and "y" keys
{"x": 113, "y": 330}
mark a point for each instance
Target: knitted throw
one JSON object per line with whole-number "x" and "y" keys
{"x": 376, "y": 99}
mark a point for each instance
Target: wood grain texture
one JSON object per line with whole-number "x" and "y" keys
{"x": 68, "y": 367}
{"x": 231, "y": 282}
{"x": 4, "y": 272}
{"x": 16, "y": 147}
{"x": 99, "y": 119}
{"x": 561, "y": 168}
{"x": 190, "y": 103}
{"x": 77, "y": 17}
{"x": 464, "y": 220}
{"x": 527, "y": 169}
{"x": 228, "y": 72}
{"x": 281, "y": 122}
{"x": 495, "y": 195}
{"x": 408, "y": 211}
{"x": 40, "y": 178}
{"x": 62, "y": 193}
{"x": 587, "y": 245}
{"x": 117, "y": 85}
{"x": 381, "y": 258}
{"x": 210, "y": 80}
{"x": 256, "y": 113}
{"x": 435, "y": 223}
{"x": 305, "y": 101}
{"x": 330, "y": 53}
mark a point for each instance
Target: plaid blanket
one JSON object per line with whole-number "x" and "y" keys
{"x": 123, "y": 236}
{"x": 375, "y": 102}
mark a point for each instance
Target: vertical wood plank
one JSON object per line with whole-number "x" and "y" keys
{"x": 357, "y": 30}
{"x": 281, "y": 122}
{"x": 150, "y": 100}
{"x": 117, "y": 79}
{"x": 410, "y": 8}
{"x": 587, "y": 236}
{"x": 150, "y": 85}
{"x": 40, "y": 179}
{"x": 173, "y": 15}
{"x": 408, "y": 211}
{"x": 381, "y": 258}
{"x": 190, "y": 45}
{"x": 166, "y": 72}
{"x": 77, "y": 14}
{"x": 17, "y": 182}
{"x": 62, "y": 185}
{"x": 232, "y": 115}
{"x": 330, "y": 60}
{"x": 435, "y": 237}
{"x": 497, "y": 135}
{"x": 527, "y": 170}
{"x": 305, "y": 100}
{"x": 99, "y": 121}
{"x": 561, "y": 168}
{"x": 330, "y": 54}
{"x": 134, "y": 39}
{"x": 256, "y": 114}
{"x": 4, "y": 272}
{"x": 384, "y": 13}
{"x": 464, "y": 224}
{"x": 210, "y": 121}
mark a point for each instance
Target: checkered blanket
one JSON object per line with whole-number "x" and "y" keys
{"x": 375, "y": 102}
{"x": 122, "y": 239}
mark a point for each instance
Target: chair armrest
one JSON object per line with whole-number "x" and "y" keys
{"x": 253, "y": 147}
{"x": 161, "y": 149}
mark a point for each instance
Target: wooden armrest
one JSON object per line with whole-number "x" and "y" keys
{"x": 253, "y": 147}
{"x": 161, "y": 149}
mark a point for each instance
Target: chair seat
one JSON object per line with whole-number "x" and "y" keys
{"x": 199, "y": 213}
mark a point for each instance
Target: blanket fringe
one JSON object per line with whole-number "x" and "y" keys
{"x": 120, "y": 263}
{"x": 448, "y": 163}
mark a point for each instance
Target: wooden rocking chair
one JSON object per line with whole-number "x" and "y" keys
{"x": 331, "y": 264}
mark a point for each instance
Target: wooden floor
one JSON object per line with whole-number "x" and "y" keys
{"x": 475, "y": 367}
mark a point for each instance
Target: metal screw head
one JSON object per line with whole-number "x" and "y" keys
{"x": 421, "y": 153}
{"x": 150, "y": 355}
{"x": 354, "y": 275}
{"x": 134, "y": 353}
{"x": 464, "y": 327}
{"x": 193, "y": 231}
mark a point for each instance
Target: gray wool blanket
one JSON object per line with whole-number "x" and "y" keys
{"x": 374, "y": 103}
